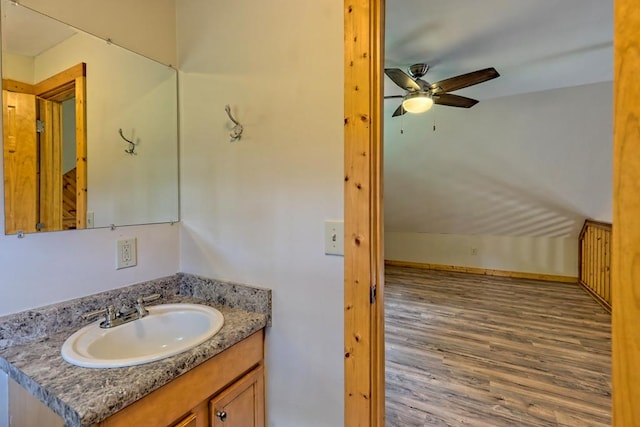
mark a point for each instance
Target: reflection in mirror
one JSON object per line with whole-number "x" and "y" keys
{"x": 67, "y": 97}
{"x": 44, "y": 131}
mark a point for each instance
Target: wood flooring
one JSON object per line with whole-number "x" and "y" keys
{"x": 474, "y": 350}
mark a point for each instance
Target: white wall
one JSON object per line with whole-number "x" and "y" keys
{"x": 253, "y": 210}
{"x": 129, "y": 92}
{"x": 503, "y": 174}
{"x": 17, "y": 67}
{"x": 44, "y": 268}
{"x": 50, "y": 267}
{"x": 542, "y": 255}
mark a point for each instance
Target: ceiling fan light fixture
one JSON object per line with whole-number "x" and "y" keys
{"x": 417, "y": 102}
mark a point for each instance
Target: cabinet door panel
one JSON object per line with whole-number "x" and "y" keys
{"x": 242, "y": 404}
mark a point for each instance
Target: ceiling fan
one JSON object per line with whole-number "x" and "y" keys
{"x": 421, "y": 95}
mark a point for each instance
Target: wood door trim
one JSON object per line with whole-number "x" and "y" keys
{"x": 17, "y": 86}
{"x": 625, "y": 250}
{"x": 68, "y": 84}
{"x": 81, "y": 152}
{"x": 58, "y": 87}
{"x": 62, "y": 82}
{"x": 363, "y": 263}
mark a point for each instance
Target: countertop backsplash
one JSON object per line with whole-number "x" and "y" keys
{"x": 37, "y": 323}
{"x": 235, "y": 295}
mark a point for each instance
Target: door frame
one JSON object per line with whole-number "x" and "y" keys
{"x": 65, "y": 85}
{"x": 625, "y": 253}
{"x": 363, "y": 264}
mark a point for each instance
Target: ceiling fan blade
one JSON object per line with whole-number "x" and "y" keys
{"x": 399, "y": 111}
{"x": 400, "y": 78}
{"x": 464, "y": 80}
{"x": 454, "y": 100}
{"x": 393, "y": 96}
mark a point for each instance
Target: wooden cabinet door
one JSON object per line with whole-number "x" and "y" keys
{"x": 242, "y": 404}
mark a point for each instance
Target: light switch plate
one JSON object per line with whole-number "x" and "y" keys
{"x": 334, "y": 237}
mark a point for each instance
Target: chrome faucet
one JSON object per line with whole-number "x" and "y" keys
{"x": 122, "y": 316}
{"x": 109, "y": 316}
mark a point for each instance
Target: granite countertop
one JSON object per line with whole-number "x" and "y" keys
{"x": 86, "y": 396}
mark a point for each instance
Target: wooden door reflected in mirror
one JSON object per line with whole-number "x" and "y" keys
{"x": 45, "y": 164}
{"x": 128, "y": 95}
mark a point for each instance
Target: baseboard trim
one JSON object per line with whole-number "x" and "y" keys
{"x": 485, "y": 271}
{"x": 595, "y": 296}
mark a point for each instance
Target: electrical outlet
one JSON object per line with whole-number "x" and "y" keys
{"x": 334, "y": 237}
{"x": 126, "y": 253}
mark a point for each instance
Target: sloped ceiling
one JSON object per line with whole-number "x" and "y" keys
{"x": 533, "y": 158}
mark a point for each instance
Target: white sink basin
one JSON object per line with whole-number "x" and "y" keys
{"x": 167, "y": 330}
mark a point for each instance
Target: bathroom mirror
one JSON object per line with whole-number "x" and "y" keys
{"x": 90, "y": 129}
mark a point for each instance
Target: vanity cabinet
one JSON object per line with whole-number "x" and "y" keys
{"x": 227, "y": 390}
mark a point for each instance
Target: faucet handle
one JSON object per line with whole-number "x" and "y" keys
{"x": 148, "y": 298}
{"x": 140, "y": 304}
{"x": 108, "y": 312}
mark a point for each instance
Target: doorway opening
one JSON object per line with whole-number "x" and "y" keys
{"x": 45, "y": 160}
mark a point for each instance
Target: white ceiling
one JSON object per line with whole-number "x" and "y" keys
{"x": 534, "y": 44}
{"x": 28, "y": 33}
{"x": 534, "y": 158}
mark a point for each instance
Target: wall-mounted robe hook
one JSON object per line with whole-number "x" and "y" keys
{"x": 132, "y": 144}
{"x": 236, "y": 132}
